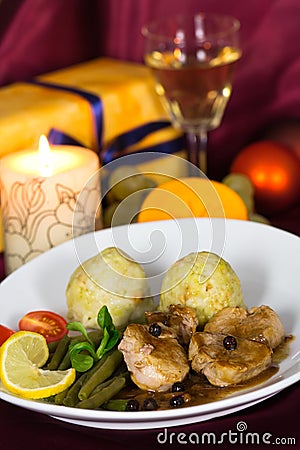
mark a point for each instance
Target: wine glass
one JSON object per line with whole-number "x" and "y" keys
{"x": 192, "y": 58}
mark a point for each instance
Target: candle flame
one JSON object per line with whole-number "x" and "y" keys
{"x": 45, "y": 157}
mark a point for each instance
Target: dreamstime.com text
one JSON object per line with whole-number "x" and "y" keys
{"x": 239, "y": 436}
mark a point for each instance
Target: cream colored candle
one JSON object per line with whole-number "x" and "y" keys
{"x": 47, "y": 197}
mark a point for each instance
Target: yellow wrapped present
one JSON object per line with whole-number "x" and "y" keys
{"x": 126, "y": 92}
{"x": 125, "y": 89}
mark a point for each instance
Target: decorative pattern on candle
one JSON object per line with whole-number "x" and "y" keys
{"x": 27, "y": 218}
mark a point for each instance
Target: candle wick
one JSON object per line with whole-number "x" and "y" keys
{"x": 45, "y": 156}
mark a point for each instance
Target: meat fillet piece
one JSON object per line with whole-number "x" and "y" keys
{"x": 226, "y": 367}
{"x": 260, "y": 324}
{"x": 155, "y": 363}
{"x": 182, "y": 319}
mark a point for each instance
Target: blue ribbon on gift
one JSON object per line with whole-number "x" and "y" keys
{"x": 118, "y": 146}
{"x": 58, "y": 137}
{"x": 123, "y": 141}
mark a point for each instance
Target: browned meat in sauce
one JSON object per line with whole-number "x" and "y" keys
{"x": 236, "y": 345}
{"x": 260, "y": 324}
{"x": 224, "y": 367}
{"x": 155, "y": 363}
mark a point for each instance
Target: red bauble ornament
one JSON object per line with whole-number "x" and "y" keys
{"x": 275, "y": 173}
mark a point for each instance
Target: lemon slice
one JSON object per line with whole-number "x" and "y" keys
{"x": 21, "y": 357}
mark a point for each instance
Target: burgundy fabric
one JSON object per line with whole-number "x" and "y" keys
{"x": 39, "y": 36}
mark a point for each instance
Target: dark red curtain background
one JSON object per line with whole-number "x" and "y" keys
{"x": 39, "y": 36}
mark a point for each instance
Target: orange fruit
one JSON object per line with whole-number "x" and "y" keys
{"x": 192, "y": 197}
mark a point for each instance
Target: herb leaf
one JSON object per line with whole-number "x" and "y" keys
{"x": 82, "y": 361}
{"x": 101, "y": 349}
{"x": 104, "y": 319}
{"x": 77, "y": 326}
{"x": 83, "y": 354}
{"x": 113, "y": 340}
{"x": 110, "y": 334}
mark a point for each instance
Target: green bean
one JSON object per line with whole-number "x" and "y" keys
{"x": 117, "y": 404}
{"x": 71, "y": 398}
{"x": 102, "y": 385}
{"x": 117, "y": 373}
{"x": 59, "y": 353}
{"x": 65, "y": 362}
{"x": 104, "y": 394}
{"x": 52, "y": 346}
{"x": 59, "y": 398}
{"x": 105, "y": 369}
{"x": 48, "y": 360}
{"x": 97, "y": 365}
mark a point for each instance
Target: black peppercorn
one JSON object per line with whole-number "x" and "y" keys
{"x": 155, "y": 329}
{"x": 229, "y": 343}
{"x": 132, "y": 405}
{"x": 177, "y": 401}
{"x": 178, "y": 386}
{"x": 150, "y": 404}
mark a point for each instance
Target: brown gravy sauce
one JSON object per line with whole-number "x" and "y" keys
{"x": 199, "y": 391}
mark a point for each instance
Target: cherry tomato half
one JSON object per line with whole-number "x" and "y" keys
{"x": 47, "y": 323}
{"x": 5, "y": 333}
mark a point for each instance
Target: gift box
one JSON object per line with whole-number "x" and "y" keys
{"x": 54, "y": 101}
{"x": 125, "y": 89}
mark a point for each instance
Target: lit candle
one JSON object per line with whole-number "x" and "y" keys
{"x": 47, "y": 197}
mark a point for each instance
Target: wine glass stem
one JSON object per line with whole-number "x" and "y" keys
{"x": 197, "y": 149}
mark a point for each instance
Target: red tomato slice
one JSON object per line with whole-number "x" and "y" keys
{"x": 5, "y": 333}
{"x": 47, "y": 323}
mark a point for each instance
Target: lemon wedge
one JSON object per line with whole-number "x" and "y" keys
{"x": 21, "y": 357}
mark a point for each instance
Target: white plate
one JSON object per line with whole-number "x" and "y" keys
{"x": 266, "y": 259}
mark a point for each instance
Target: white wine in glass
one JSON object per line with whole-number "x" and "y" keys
{"x": 192, "y": 59}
